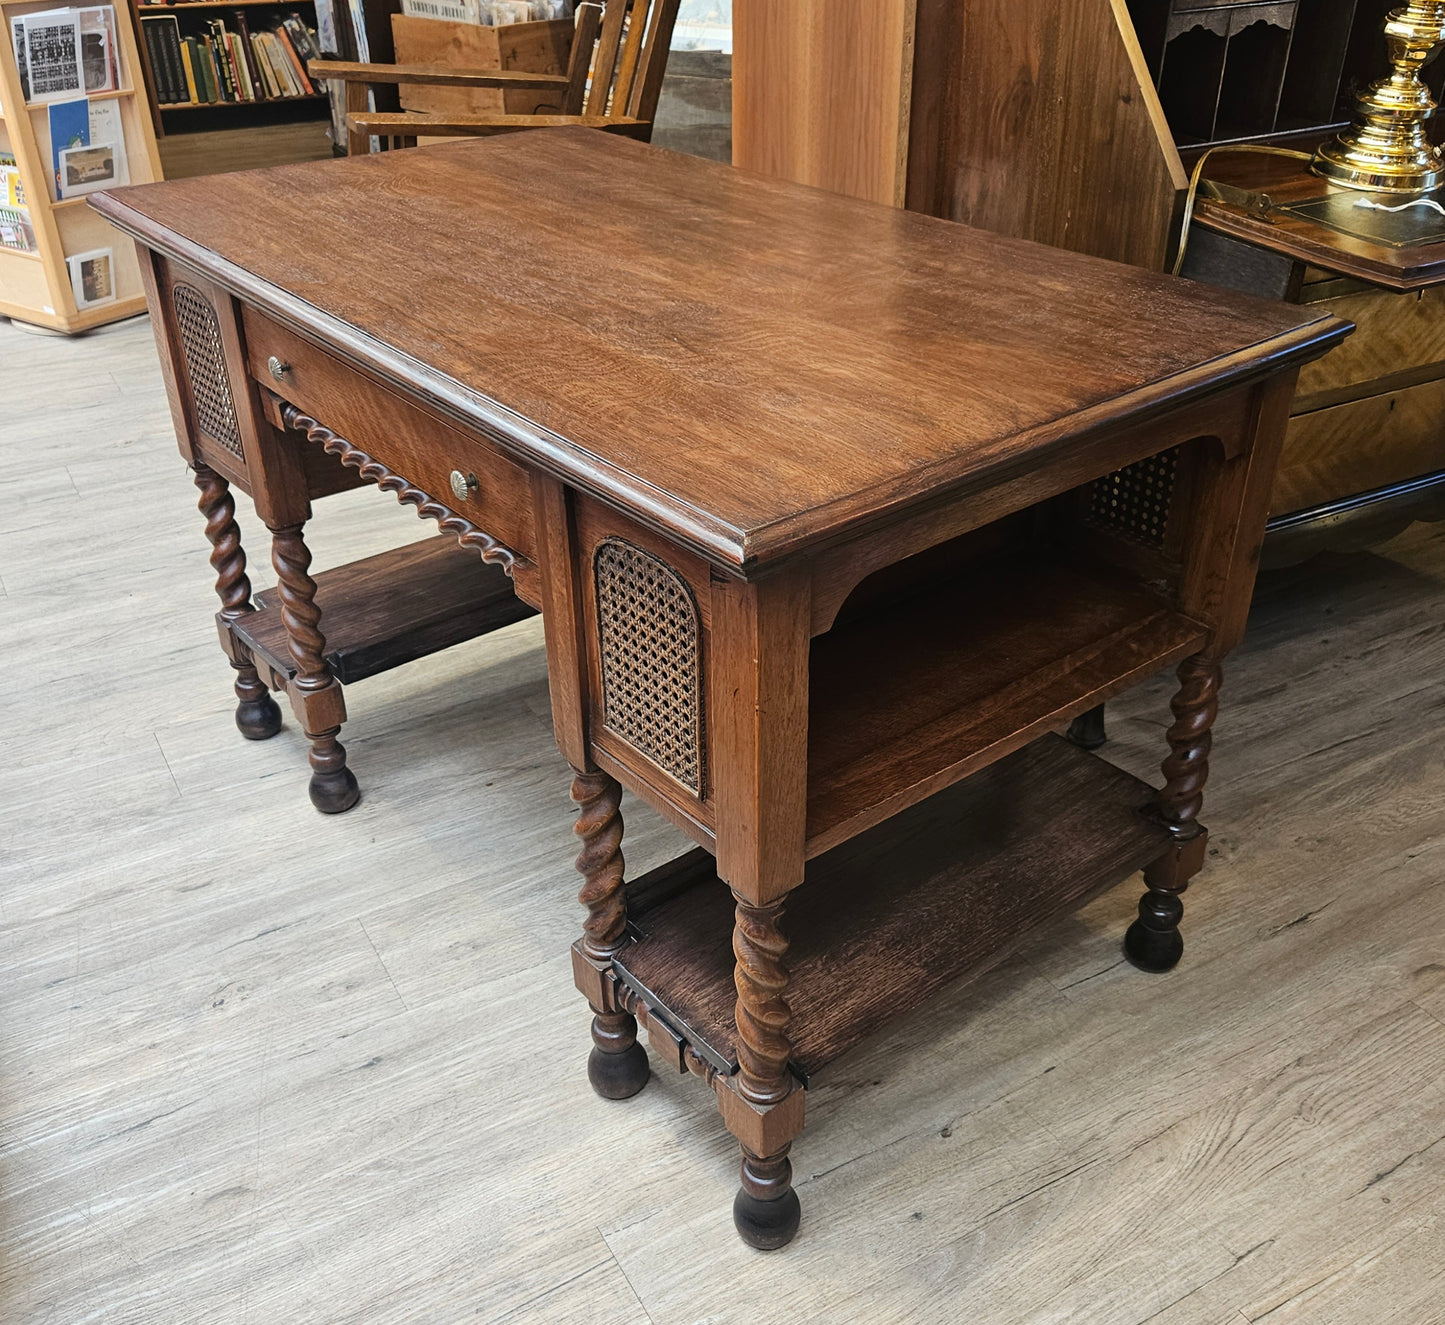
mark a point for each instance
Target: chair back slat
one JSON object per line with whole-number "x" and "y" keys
{"x": 642, "y": 102}
{"x": 584, "y": 39}
{"x": 604, "y": 63}
{"x": 627, "y": 67}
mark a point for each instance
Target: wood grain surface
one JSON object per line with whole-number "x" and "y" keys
{"x": 1362, "y": 445}
{"x": 1041, "y": 121}
{"x": 395, "y": 607}
{"x": 258, "y": 1065}
{"x": 940, "y": 893}
{"x": 831, "y": 360}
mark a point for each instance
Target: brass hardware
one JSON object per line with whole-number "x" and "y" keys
{"x": 463, "y": 485}
{"x": 1387, "y": 150}
{"x": 278, "y": 368}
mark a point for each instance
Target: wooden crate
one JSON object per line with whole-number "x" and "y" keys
{"x": 534, "y": 48}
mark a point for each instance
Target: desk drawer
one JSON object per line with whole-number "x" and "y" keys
{"x": 407, "y": 440}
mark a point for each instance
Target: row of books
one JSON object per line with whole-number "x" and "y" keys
{"x": 229, "y": 64}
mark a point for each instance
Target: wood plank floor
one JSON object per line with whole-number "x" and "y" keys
{"x": 257, "y": 1065}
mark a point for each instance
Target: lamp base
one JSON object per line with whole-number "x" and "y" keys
{"x": 1357, "y": 165}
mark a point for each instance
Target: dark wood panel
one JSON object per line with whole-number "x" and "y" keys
{"x": 392, "y": 608}
{"x": 882, "y": 923}
{"x": 754, "y": 365}
{"x": 905, "y": 701}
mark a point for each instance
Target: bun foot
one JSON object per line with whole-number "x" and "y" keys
{"x": 617, "y": 1067}
{"x": 258, "y": 719}
{"x": 767, "y": 1225}
{"x": 1153, "y": 942}
{"x": 1087, "y": 731}
{"x": 334, "y": 793}
{"x": 766, "y": 1209}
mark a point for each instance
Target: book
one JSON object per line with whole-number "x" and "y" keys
{"x": 91, "y": 278}
{"x": 53, "y": 54}
{"x": 205, "y": 70}
{"x": 98, "y": 49}
{"x": 16, "y": 230}
{"x": 279, "y": 67}
{"x": 186, "y": 60}
{"x": 69, "y": 125}
{"x": 17, "y": 36}
{"x": 248, "y": 55}
{"x": 220, "y": 53}
{"x": 238, "y": 64}
{"x": 283, "y": 40}
{"x": 170, "y": 39}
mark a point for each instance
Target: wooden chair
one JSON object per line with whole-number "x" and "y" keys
{"x": 626, "y": 58}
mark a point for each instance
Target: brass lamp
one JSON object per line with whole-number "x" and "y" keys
{"x": 1387, "y": 150}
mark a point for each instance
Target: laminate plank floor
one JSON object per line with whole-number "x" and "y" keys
{"x": 257, "y": 1065}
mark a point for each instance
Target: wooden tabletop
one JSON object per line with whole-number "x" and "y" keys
{"x": 750, "y": 365}
{"x": 1286, "y": 182}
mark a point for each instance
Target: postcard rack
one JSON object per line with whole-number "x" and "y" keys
{"x": 62, "y": 266}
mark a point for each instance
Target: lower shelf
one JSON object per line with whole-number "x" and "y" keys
{"x": 392, "y": 608}
{"x": 939, "y": 893}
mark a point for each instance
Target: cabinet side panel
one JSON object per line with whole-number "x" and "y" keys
{"x": 1038, "y": 120}
{"x": 821, "y": 92}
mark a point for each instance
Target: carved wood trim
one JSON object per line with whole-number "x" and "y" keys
{"x": 407, "y": 493}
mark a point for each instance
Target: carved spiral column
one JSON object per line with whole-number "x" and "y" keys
{"x": 1186, "y": 767}
{"x": 257, "y": 716}
{"x": 1153, "y": 941}
{"x": 314, "y": 690}
{"x": 600, "y": 862}
{"x": 762, "y": 1013}
{"x": 766, "y": 1211}
{"x": 617, "y": 1066}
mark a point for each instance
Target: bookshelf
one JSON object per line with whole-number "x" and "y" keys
{"x": 214, "y": 92}
{"x": 35, "y": 284}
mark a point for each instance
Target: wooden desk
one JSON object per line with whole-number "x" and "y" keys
{"x": 833, "y": 513}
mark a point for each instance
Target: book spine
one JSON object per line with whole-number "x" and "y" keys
{"x": 159, "y": 75}
{"x": 190, "y": 72}
{"x": 248, "y": 55}
{"x": 278, "y": 70}
{"x": 283, "y": 40}
{"x": 213, "y": 71}
{"x": 171, "y": 39}
{"x": 222, "y": 57}
{"x": 238, "y": 67}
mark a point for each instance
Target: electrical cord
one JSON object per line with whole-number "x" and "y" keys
{"x": 1196, "y": 178}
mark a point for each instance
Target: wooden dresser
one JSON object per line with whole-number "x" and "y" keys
{"x": 835, "y": 515}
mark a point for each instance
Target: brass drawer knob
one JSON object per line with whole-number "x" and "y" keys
{"x": 463, "y": 485}
{"x": 278, "y": 368}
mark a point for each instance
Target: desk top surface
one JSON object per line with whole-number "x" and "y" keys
{"x": 750, "y": 365}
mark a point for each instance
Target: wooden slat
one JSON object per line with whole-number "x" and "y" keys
{"x": 604, "y": 62}
{"x": 392, "y": 122}
{"x": 642, "y": 101}
{"x": 432, "y": 73}
{"x": 584, "y": 40}
{"x": 884, "y": 922}
{"x": 393, "y": 608}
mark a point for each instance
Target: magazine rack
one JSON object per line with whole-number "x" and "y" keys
{"x": 35, "y": 283}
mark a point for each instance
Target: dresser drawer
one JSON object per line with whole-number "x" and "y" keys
{"x": 1394, "y": 334}
{"x": 1334, "y": 453}
{"x": 406, "y": 439}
